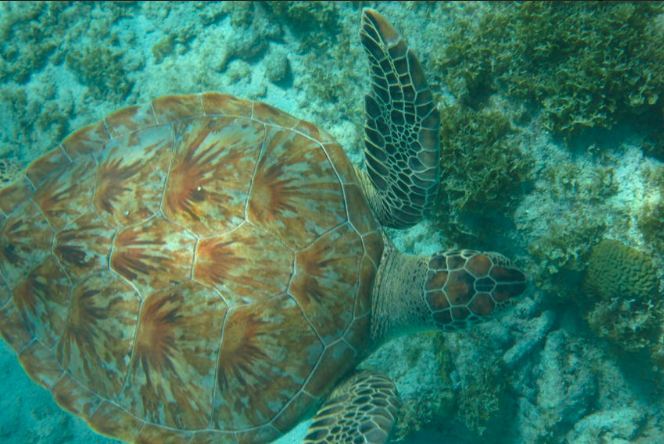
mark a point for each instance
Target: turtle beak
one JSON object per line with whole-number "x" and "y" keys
{"x": 509, "y": 281}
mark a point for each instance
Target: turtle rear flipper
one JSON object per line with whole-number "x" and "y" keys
{"x": 402, "y": 150}
{"x": 362, "y": 409}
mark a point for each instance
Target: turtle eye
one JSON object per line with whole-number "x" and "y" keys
{"x": 197, "y": 194}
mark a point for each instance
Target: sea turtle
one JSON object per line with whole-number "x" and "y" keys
{"x": 204, "y": 268}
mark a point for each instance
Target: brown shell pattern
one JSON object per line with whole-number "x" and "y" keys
{"x": 197, "y": 269}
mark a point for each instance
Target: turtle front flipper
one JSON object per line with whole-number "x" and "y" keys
{"x": 402, "y": 148}
{"x": 362, "y": 409}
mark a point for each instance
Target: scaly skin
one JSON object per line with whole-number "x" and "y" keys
{"x": 448, "y": 290}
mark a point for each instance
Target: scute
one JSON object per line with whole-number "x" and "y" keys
{"x": 99, "y": 335}
{"x": 73, "y": 397}
{"x": 131, "y": 174}
{"x": 209, "y": 180}
{"x": 50, "y": 162}
{"x": 153, "y": 254}
{"x": 114, "y": 421}
{"x": 267, "y": 353}
{"x": 155, "y": 434}
{"x": 41, "y": 365}
{"x": 215, "y": 104}
{"x": 43, "y": 299}
{"x": 68, "y": 194}
{"x": 89, "y": 140}
{"x": 326, "y": 274}
{"x": 171, "y": 374}
{"x": 169, "y": 109}
{"x": 194, "y": 269}
{"x": 296, "y": 193}
{"x": 246, "y": 265}
{"x": 14, "y": 195}
{"x": 84, "y": 246}
{"x": 120, "y": 123}
{"x": 5, "y": 294}
{"x": 25, "y": 241}
{"x": 268, "y": 114}
{"x": 337, "y": 358}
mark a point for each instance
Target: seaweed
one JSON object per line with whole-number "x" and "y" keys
{"x": 482, "y": 400}
{"x": 306, "y": 16}
{"x": 164, "y": 47}
{"x": 101, "y": 69}
{"x": 481, "y": 164}
{"x": 653, "y": 145}
{"x": 584, "y": 64}
{"x": 30, "y": 35}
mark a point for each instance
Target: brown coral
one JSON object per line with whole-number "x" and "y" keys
{"x": 621, "y": 283}
{"x": 618, "y": 271}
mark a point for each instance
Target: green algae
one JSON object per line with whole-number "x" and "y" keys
{"x": 481, "y": 164}
{"x": 476, "y": 161}
{"x": 30, "y": 35}
{"x": 102, "y": 70}
{"x": 583, "y": 64}
{"x": 306, "y": 16}
{"x": 482, "y": 401}
{"x": 163, "y": 48}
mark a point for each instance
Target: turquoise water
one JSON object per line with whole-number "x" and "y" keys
{"x": 551, "y": 133}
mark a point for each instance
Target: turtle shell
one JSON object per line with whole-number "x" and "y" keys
{"x": 196, "y": 269}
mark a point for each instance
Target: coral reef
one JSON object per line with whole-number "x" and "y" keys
{"x": 38, "y": 120}
{"x": 102, "y": 70}
{"x": 482, "y": 165}
{"x": 569, "y": 211}
{"x": 9, "y": 170}
{"x": 559, "y": 253}
{"x": 477, "y": 162}
{"x": 277, "y": 67}
{"x": 564, "y": 390}
{"x": 37, "y": 38}
{"x": 618, "y": 271}
{"x": 653, "y": 145}
{"x": 622, "y": 287}
{"x": 306, "y": 16}
{"x": 651, "y": 224}
{"x": 36, "y": 34}
{"x": 480, "y": 382}
{"x": 429, "y": 396}
{"x": 164, "y": 47}
{"x": 588, "y": 184}
{"x": 534, "y": 334}
{"x": 27, "y": 37}
{"x": 482, "y": 398}
{"x": 585, "y": 64}
{"x": 621, "y": 425}
{"x": 651, "y": 218}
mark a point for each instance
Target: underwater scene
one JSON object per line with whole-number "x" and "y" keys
{"x": 285, "y": 260}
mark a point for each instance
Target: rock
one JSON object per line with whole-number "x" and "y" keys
{"x": 566, "y": 390}
{"x": 614, "y": 426}
{"x": 277, "y": 67}
{"x": 538, "y": 329}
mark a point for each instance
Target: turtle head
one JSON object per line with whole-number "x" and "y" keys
{"x": 463, "y": 286}
{"x": 448, "y": 290}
